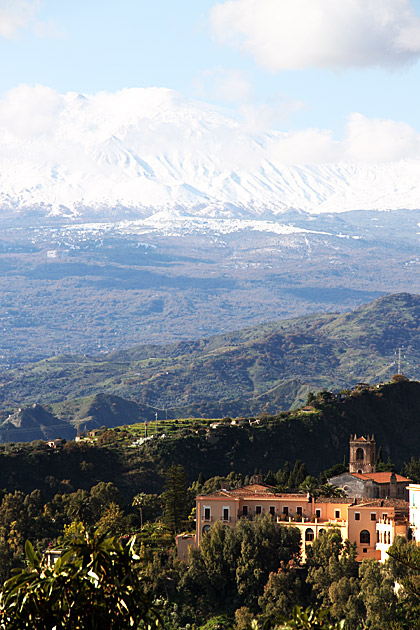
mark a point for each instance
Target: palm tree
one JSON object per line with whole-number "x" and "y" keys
{"x": 329, "y": 490}
{"x": 139, "y": 501}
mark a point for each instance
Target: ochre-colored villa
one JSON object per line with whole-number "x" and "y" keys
{"x": 372, "y": 523}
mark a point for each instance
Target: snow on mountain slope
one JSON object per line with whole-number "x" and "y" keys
{"x": 152, "y": 149}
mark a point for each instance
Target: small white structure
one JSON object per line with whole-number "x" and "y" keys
{"x": 414, "y": 510}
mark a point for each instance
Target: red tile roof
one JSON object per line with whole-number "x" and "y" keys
{"x": 251, "y": 492}
{"x": 380, "y": 477}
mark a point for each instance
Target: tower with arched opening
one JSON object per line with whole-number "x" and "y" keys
{"x": 362, "y": 454}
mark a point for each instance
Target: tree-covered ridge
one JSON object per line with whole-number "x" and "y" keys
{"x": 264, "y": 368}
{"x": 317, "y": 434}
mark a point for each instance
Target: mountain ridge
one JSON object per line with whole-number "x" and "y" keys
{"x": 262, "y": 369}
{"x": 143, "y": 151}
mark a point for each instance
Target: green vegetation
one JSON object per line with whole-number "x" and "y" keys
{"x": 118, "y": 555}
{"x": 258, "y": 370}
{"x": 94, "y": 584}
{"x": 318, "y": 437}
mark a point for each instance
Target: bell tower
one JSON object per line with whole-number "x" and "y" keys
{"x": 362, "y": 454}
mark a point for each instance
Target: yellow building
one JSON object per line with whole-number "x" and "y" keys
{"x": 372, "y": 524}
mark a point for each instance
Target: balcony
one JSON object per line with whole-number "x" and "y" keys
{"x": 208, "y": 519}
{"x": 225, "y": 519}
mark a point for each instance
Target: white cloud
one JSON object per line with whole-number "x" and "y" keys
{"x": 307, "y": 146}
{"x": 367, "y": 140}
{"x": 150, "y": 122}
{"x": 295, "y": 34}
{"x": 232, "y": 86}
{"x": 30, "y": 111}
{"x": 377, "y": 140}
{"x": 18, "y": 15}
{"x": 259, "y": 117}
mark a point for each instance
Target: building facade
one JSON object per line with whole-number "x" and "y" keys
{"x": 372, "y": 524}
{"x": 362, "y": 480}
{"x": 362, "y": 454}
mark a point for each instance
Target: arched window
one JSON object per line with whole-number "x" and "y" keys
{"x": 205, "y": 529}
{"x": 321, "y": 531}
{"x": 364, "y": 537}
{"x": 360, "y": 454}
{"x": 309, "y": 535}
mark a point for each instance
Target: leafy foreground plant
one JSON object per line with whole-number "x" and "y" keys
{"x": 310, "y": 619}
{"x": 94, "y": 584}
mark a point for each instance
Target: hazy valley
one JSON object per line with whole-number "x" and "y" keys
{"x": 91, "y": 288}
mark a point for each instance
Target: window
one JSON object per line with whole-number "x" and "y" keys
{"x": 258, "y": 509}
{"x": 321, "y": 531}
{"x": 359, "y": 454}
{"x": 309, "y": 535}
{"x": 365, "y": 550}
{"x": 364, "y": 537}
{"x": 272, "y": 510}
{"x": 337, "y": 514}
{"x": 318, "y": 513}
{"x": 207, "y": 514}
{"x": 357, "y": 516}
{"x": 377, "y": 537}
{"x": 285, "y": 510}
{"x": 389, "y": 538}
{"x": 205, "y": 529}
{"x": 384, "y": 515}
{"x": 373, "y": 516}
{"x": 225, "y": 516}
{"x": 299, "y": 511}
{"x": 244, "y": 510}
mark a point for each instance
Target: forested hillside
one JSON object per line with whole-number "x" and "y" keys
{"x": 262, "y": 369}
{"x": 317, "y": 436}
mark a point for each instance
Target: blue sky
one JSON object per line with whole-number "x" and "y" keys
{"x": 262, "y": 54}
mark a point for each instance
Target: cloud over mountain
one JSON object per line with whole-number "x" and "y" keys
{"x": 153, "y": 148}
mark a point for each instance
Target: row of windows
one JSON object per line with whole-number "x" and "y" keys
{"x": 383, "y": 537}
{"x": 364, "y": 535}
{"x": 337, "y": 513}
{"x": 245, "y": 511}
{"x": 372, "y": 516}
{"x": 272, "y": 511}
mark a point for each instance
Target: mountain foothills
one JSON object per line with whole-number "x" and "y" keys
{"x": 317, "y": 435}
{"x": 263, "y": 369}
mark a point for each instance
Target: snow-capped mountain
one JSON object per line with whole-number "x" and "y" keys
{"x": 150, "y": 150}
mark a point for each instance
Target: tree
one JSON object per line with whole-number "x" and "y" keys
{"x": 112, "y": 521}
{"x": 94, "y": 584}
{"x": 139, "y": 501}
{"x": 176, "y": 501}
{"x": 149, "y": 505}
{"x": 333, "y": 575}
{"x": 281, "y": 593}
{"x": 233, "y": 565}
{"x": 264, "y": 548}
{"x": 330, "y": 490}
{"x": 102, "y": 496}
{"x": 378, "y": 594}
{"x": 309, "y": 485}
